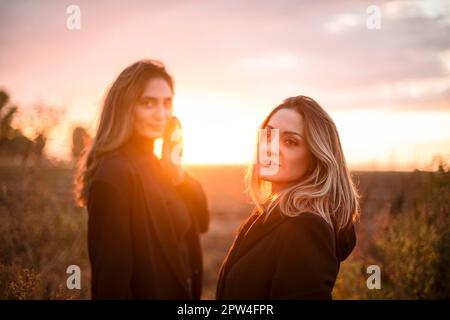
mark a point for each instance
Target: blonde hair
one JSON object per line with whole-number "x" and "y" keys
{"x": 116, "y": 121}
{"x": 326, "y": 190}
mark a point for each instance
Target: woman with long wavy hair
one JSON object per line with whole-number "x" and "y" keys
{"x": 301, "y": 229}
{"x": 145, "y": 213}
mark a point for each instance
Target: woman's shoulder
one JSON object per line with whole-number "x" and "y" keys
{"x": 307, "y": 234}
{"x": 114, "y": 168}
{"x": 307, "y": 224}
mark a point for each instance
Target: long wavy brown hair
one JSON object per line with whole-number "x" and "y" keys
{"x": 117, "y": 119}
{"x": 328, "y": 190}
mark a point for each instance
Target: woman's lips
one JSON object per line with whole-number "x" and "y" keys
{"x": 270, "y": 164}
{"x": 155, "y": 127}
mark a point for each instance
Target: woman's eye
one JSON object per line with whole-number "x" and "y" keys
{"x": 290, "y": 142}
{"x": 168, "y": 105}
{"x": 148, "y": 104}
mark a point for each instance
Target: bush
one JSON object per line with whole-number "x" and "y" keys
{"x": 411, "y": 244}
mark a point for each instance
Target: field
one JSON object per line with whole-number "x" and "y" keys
{"x": 404, "y": 229}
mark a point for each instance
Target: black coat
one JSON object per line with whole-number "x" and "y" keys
{"x": 284, "y": 258}
{"x": 143, "y": 233}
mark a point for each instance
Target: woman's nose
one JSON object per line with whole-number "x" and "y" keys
{"x": 269, "y": 150}
{"x": 270, "y": 146}
{"x": 159, "y": 113}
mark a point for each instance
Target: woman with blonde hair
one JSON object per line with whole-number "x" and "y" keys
{"x": 145, "y": 214}
{"x": 301, "y": 229}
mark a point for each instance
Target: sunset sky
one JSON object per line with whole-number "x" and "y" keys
{"x": 387, "y": 89}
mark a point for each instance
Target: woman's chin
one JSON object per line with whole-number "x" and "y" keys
{"x": 269, "y": 177}
{"x": 151, "y": 134}
{"x": 269, "y": 173}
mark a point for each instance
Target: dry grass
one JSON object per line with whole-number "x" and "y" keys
{"x": 404, "y": 229}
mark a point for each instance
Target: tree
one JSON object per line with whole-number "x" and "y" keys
{"x": 80, "y": 141}
{"x": 38, "y": 121}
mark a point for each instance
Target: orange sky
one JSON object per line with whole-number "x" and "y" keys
{"x": 388, "y": 90}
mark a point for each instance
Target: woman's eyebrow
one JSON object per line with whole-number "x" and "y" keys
{"x": 148, "y": 98}
{"x": 287, "y": 132}
{"x": 156, "y": 98}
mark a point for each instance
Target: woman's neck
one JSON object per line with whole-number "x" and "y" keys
{"x": 141, "y": 144}
{"x": 276, "y": 188}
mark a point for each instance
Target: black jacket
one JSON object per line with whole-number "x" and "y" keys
{"x": 284, "y": 258}
{"x": 143, "y": 233}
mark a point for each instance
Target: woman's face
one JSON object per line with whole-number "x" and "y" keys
{"x": 154, "y": 109}
{"x": 293, "y": 157}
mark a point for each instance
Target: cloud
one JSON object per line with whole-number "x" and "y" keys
{"x": 270, "y": 62}
{"x": 343, "y": 21}
{"x": 232, "y": 46}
